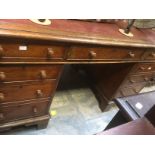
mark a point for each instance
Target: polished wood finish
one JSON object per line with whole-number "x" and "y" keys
{"x": 41, "y": 122}
{"x": 15, "y": 52}
{"x": 26, "y": 90}
{"x": 73, "y": 31}
{"x": 32, "y": 57}
{"x": 104, "y": 53}
{"x": 11, "y": 112}
{"x": 144, "y": 68}
{"x": 10, "y": 73}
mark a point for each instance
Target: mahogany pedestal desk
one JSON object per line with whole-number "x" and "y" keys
{"x": 32, "y": 57}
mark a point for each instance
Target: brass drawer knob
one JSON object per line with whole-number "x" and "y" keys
{"x": 92, "y": 54}
{"x": 1, "y": 51}
{"x": 43, "y": 74}
{"x": 131, "y": 54}
{"x": 35, "y": 110}
{"x": 153, "y": 54}
{"x": 131, "y": 80}
{"x": 146, "y": 78}
{"x": 149, "y": 68}
{"x": 2, "y": 97}
{"x": 50, "y": 52}
{"x": 39, "y": 93}
{"x": 136, "y": 91}
{"x": 2, "y": 76}
{"x": 1, "y": 116}
{"x": 142, "y": 68}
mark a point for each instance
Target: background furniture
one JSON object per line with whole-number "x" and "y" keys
{"x": 32, "y": 57}
{"x": 140, "y": 126}
{"x": 134, "y": 107}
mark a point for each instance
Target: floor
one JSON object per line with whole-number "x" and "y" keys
{"x": 74, "y": 110}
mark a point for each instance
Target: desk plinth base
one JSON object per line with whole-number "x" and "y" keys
{"x": 40, "y": 122}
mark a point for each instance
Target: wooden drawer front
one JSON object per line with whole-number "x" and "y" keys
{"x": 24, "y": 110}
{"x": 26, "y": 91}
{"x": 130, "y": 90}
{"x": 144, "y": 68}
{"x": 104, "y": 53}
{"x": 28, "y": 72}
{"x": 17, "y": 52}
{"x": 139, "y": 78}
{"x": 149, "y": 54}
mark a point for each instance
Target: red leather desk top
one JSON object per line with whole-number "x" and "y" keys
{"x": 80, "y": 29}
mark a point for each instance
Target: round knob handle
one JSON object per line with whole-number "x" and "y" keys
{"x": 50, "y": 52}
{"x": 131, "y": 54}
{"x": 1, "y": 51}
{"x": 142, "y": 68}
{"x": 136, "y": 91}
{"x": 43, "y": 74}
{"x": 153, "y": 54}
{"x": 146, "y": 78}
{"x": 149, "y": 68}
{"x": 92, "y": 54}
{"x": 1, "y": 97}
{"x": 131, "y": 80}
{"x": 35, "y": 110}
{"x": 2, "y": 76}
{"x": 1, "y": 116}
{"x": 39, "y": 93}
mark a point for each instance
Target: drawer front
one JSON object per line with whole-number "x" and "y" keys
{"x": 24, "y": 110}
{"x": 149, "y": 54}
{"x": 144, "y": 68}
{"x": 104, "y": 53}
{"x": 133, "y": 79}
{"x": 18, "y": 52}
{"x": 26, "y": 90}
{"x": 28, "y": 72}
{"x": 130, "y": 90}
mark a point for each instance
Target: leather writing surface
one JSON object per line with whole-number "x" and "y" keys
{"x": 94, "y": 30}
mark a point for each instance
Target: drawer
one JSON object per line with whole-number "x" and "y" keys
{"x": 130, "y": 90}
{"x": 18, "y": 52}
{"x": 26, "y": 90}
{"x": 104, "y": 53}
{"x": 28, "y": 72}
{"x": 23, "y": 110}
{"x": 149, "y": 54}
{"x": 143, "y": 68}
{"x": 132, "y": 79}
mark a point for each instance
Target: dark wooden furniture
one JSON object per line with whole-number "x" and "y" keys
{"x": 134, "y": 107}
{"x": 140, "y": 126}
{"x": 32, "y": 57}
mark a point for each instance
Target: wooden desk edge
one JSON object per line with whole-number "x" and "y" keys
{"x": 13, "y": 31}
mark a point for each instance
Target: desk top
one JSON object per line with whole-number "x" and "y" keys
{"x": 78, "y": 32}
{"x": 137, "y": 127}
